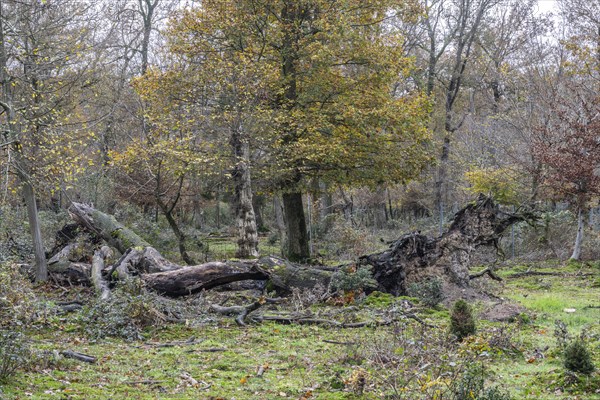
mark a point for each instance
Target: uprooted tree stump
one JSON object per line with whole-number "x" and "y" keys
{"x": 415, "y": 257}
{"x": 411, "y": 258}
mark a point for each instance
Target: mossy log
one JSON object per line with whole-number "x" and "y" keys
{"x": 107, "y": 227}
{"x": 412, "y": 258}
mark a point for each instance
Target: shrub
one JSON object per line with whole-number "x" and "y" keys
{"x": 18, "y": 302}
{"x": 351, "y": 279}
{"x": 429, "y": 291}
{"x": 471, "y": 386}
{"x": 462, "y": 323}
{"x": 124, "y": 315}
{"x": 577, "y": 358}
{"x": 14, "y": 353}
{"x": 561, "y": 334}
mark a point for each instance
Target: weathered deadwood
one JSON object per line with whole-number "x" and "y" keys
{"x": 107, "y": 227}
{"x": 100, "y": 284}
{"x": 321, "y": 321}
{"x": 190, "y": 342}
{"x": 243, "y": 311}
{"x": 487, "y": 271}
{"x": 416, "y": 257}
{"x": 69, "y": 306}
{"x": 190, "y": 280}
{"x": 78, "y": 356}
{"x": 140, "y": 261}
{"x": 411, "y": 258}
{"x": 535, "y": 273}
{"x": 73, "y": 273}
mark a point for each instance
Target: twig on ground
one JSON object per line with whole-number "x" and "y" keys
{"x": 78, "y": 356}
{"x": 488, "y": 272}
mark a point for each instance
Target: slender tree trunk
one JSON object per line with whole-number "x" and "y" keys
{"x": 579, "y": 238}
{"x": 440, "y": 183}
{"x": 168, "y": 213}
{"x": 41, "y": 267}
{"x": 147, "y": 16}
{"x": 245, "y": 219}
{"x": 280, "y": 222}
{"x": 297, "y": 246}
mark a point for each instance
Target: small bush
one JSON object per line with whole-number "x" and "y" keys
{"x": 18, "y": 302}
{"x": 561, "y": 334}
{"x": 353, "y": 279}
{"x": 577, "y": 358}
{"x": 429, "y": 291}
{"x": 124, "y": 315}
{"x": 471, "y": 386}
{"x": 462, "y": 323}
{"x": 14, "y": 353}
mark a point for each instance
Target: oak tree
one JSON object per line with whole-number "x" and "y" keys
{"x": 328, "y": 69}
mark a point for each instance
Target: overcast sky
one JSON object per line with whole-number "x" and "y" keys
{"x": 547, "y": 5}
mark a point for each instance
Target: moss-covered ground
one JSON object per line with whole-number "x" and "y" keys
{"x": 213, "y": 358}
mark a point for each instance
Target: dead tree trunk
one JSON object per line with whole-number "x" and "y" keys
{"x": 411, "y": 258}
{"x": 415, "y": 257}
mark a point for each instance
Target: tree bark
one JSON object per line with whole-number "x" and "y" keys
{"x": 415, "y": 257}
{"x": 411, "y": 258}
{"x": 245, "y": 219}
{"x": 297, "y": 246}
{"x": 580, "y": 231}
{"x": 41, "y": 266}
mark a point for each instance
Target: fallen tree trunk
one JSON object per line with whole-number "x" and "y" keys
{"x": 416, "y": 257}
{"x": 107, "y": 227}
{"x": 412, "y": 258}
{"x": 100, "y": 284}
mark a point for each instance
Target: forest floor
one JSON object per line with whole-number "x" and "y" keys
{"x": 210, "y": 357}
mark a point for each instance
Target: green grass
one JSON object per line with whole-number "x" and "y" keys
{"x": 301, "y": 360}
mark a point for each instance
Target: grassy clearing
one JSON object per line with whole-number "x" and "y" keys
{"x": 402, "y": 361}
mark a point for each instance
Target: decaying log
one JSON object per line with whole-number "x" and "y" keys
{"x": 78, "y": 356}
{"x": 411, "y": 258}
{"x": 107, "y": 227}
{"x": 415, "y": 257}
{"x": 100, "y": 284}
{"x": 190, "y": 280}
{"x": 243, "y": 311}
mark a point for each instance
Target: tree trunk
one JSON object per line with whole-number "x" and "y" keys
{"x": 245, "y": 220}
{"x": 579, "y": 238}
{"x": 13, "y": 130}
{"x": 280, "y": 221}
{"x": 41, "y": 267}
{"x": 297, "y": 246}
{"x": 415, "y": 257}
{"x": 107, "y": 227}
{"x": 168, "y": 213}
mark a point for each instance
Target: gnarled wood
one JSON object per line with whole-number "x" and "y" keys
{"x": 415, "y": 257}
{"x": 411, "y": 258}
{"x": 100, "y": 284}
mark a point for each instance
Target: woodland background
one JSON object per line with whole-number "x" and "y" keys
{"x": 188, "y": 121}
